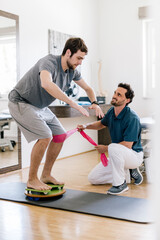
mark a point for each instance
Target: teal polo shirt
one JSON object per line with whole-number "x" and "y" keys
{"x": 125, "y": 127}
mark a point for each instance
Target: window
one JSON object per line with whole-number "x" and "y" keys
{"x": 148, "y": 58}
{"x": 8, "y": 64}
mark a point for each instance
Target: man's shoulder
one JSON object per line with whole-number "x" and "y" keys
{"x": 131, "y": 113}
{"x": 49, "y": 62}
{"x": 52, "y": 58}
{"x": 109, "y": 113}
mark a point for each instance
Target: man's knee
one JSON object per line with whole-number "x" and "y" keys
{"x": 113, "y": 148}
{"x": 59, "y": 138}
{"x": 45, "y": 141}
{"x": 92, "y": 178}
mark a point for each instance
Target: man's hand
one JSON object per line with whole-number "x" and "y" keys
{"x": 98, "y": 110}
{"x": 101, "y": 148}
{"x": 92, "y": 97}
{"x": 83, "y": 111}
{"x": 79, "y": 108}
{"x": 81, "y": 127}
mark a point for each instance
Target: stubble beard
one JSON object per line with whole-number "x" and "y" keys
{"x": 117, "y": 104}
{"x": 70, "y": 66}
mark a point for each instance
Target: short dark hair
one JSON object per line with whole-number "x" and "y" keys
{"x": 130, "y": 93}
{"x": 75, "y": 44}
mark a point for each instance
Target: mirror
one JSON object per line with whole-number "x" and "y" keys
{"x": 10, "y": 153}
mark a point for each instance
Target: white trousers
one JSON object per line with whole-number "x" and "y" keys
{"x": 121, "y": 159}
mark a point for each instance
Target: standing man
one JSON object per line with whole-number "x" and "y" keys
{"x": 46, "y": 81}
{"x": 125, "y": 152}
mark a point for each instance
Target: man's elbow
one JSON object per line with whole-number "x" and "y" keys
{"x": 43, "y": 84}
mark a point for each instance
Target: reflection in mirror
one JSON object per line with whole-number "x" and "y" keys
{"x": 10, "y": 158}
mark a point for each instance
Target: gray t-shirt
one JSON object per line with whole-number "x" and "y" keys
{"x": 29, "y": 89}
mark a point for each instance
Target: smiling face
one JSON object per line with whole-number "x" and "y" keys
{"x": 119, "y": 97}
{"x": 75, "y": 60}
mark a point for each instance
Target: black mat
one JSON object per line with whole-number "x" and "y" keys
{"x": 104, "y": 205}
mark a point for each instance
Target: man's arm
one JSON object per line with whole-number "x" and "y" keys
{"x": 56, "y": 92}
{"x": 94, "y": 125}
{"x": 92, "y": 97}
{"x": 131, "y": 132}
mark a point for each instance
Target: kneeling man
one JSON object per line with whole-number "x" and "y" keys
{"x": 125, "y": 152}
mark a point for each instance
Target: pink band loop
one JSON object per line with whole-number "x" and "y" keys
{"x": 64, "y": 136}
{"x": 59, "y": 138}
{"x": 103, "y": 157}
{"x": 88, "y": 138}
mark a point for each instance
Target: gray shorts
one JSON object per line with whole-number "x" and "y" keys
{"x": 35, "y": 123}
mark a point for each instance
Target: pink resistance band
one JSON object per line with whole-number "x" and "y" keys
{"x": 63, "y": 137}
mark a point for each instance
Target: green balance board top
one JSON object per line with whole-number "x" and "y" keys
{"x": 55, "y": 188}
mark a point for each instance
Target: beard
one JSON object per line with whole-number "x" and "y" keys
{"x": 115, "y": 103}
{"x": 71, "y": 66}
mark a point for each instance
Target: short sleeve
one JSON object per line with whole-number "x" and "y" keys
{"x": 132, "y": 131}
{"x": 108, "y": 117}
{"x": 77, "y": 75}
{"x": 104, "y": 120}
{"x": 47, "y": 65}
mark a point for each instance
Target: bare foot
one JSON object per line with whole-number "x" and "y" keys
{"x": 51, "y": 179}
{"x": 37, "y": 184}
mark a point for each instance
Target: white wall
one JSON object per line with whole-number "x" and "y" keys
{"x": 120, "y": 38}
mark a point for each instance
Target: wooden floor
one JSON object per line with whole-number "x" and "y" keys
{"x": 26, "y": 222}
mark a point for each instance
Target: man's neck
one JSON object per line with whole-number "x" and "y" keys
{"x": 118, "y": 109}
{"x": 63, "y": 63}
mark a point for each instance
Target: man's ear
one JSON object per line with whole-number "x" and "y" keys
{"x": 68, "y": 53}
{"x": 128, "y": 100}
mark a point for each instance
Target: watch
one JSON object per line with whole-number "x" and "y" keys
{"x": 95, "y": 102}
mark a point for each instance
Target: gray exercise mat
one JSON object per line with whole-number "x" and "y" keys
{"x": 104, "y": 205}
